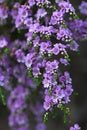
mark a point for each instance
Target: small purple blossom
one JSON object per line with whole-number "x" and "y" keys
{"x": 40, "y": 126}
{"x": 28, "y": 60}
{"x": 64, "y": 61}
{"x": 31, "y": 2}
{"x": 3, "y": 42}
{"x": 56, "y": 49}
{"x": 83, "y": 8}
{"x": 41, "y": 13}
{"x": 20, "y": 55}
{"x": 76, "y": 127}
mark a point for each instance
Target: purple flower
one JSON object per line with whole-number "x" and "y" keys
{"x": 31, "y": 2}
{"x": 62, "y": 78}
{"x": 2, "y": 78}
{"x": 56, "y": 18}
{"x": 3, "y": 12}
{"x": 41, "y": 13}
{"x": 46, "y": 83}
{"x": 44, "y": 46}
{"x": 56, "y": 49}
{"x": 29, "y": 36}
{"x": 36, "y": 71}
{"x": 67, "y": 76}
{"x": 42, "y": 2}
{"x": 47, "y": 103}
{"x": 68, "y": 90}
{"x": 28, "y": 22}
{"x": 3, "y": 42}
{"x": 20, "y": 55}
{"x": 51, "y": 66}
{"x": 54, "y": 65}
{"x": 76, "y": 127}
{"x": 28, "y": 60}
{"x": 36, "y": 41}
{"x": 23, "y": 12}
{"x": 21, "y": 119}
{"x": 64, "y": 61}
{"x": 66, "y": 6}
{"x": 1, "y": 1}
{"x": 18, "y": 120}
{"x": 40, "y": 126}
{"x": 12, "y": 121}
{"x": 18, "y": 22}
{"x": 34, "y": 28}
{"x": 83, "y": 8}
{"x": 74, "y": 46}
{"x": 64, "y": 34}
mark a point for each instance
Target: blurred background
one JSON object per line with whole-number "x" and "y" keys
{"x": 79, "y": 103}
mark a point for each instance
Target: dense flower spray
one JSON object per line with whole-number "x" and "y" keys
{"x": 35, "y": 39}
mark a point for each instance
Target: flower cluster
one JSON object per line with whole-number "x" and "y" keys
{"x": 79, "y": 29}
{"x": 38, "y": 111}
{"x": 59, "y": 94}
{"x": 35, "y": 39}
{"x": 83, "y": 8}
{"x": 79, "y": 26}
{"x": 17, "y": 105}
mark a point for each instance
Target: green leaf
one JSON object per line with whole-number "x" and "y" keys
{"x": 67, "y": 111}
{"x": 55, "y": 75}
{"x": 6, "y": 50}
{"x": 37, "y": 80}
{"x": 2, "y": 96}
{"x": 61, "y": 107}
{"x": 29, "y": 44}
{"x": 64, "y": 118}
{"x": 55, "y": 112}
{"x": 50, "y": 91}
{"x": 29, "y": 73}
{"x": 67, "y": 57}
{"x": 76, "y": 93}
{"x": 45, "y": 117}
